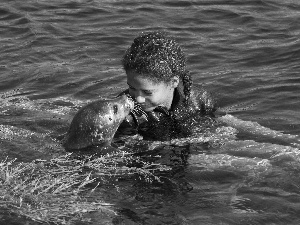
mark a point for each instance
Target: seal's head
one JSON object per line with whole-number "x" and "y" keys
{"x": 97, "y": 122}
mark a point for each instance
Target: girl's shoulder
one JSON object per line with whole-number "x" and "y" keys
{"x": 203, "y": 99}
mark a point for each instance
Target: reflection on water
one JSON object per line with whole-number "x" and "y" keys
{"x": 57, "y": 56}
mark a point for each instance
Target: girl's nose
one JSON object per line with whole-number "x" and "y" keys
{"x": 140, "y": 99}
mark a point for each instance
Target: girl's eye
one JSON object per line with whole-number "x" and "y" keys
{"x": 148, "y": 92}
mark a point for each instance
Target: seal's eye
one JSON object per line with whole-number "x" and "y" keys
{"x": 115, "y": 109}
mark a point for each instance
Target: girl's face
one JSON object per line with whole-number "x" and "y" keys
{"x": 150, "y": 94}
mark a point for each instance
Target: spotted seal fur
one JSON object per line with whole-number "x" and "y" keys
{"x": 97, "y": 122}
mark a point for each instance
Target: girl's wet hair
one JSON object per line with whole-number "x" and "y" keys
{"x": 162, "y": 58}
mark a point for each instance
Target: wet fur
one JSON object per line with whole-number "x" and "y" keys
{"x": 96, "y": 123}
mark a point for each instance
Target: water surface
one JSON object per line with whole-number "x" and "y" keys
{"x": 58, "y": 55}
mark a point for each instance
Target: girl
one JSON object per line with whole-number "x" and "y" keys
{"x": 166, "y": 106}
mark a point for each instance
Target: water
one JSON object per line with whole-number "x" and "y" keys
{"x": 58, "y": 55}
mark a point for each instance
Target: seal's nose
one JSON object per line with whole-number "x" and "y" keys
{"x": 129, "y": 102}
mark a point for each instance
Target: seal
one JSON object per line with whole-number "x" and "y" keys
{"x": 96, "y": 123}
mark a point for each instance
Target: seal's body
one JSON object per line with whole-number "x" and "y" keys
{"x": 97, "y": 122}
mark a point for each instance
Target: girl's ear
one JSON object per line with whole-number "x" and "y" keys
{"x": 174, "y": 82}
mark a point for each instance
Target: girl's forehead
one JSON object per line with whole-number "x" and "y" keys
{"x": 136, "y": 80}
